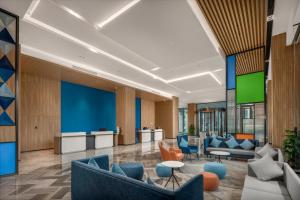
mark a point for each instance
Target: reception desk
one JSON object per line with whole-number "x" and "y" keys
{"x": 70, "y": 142}
{"x": 103, "y": 139}
{"x": 145, "y": 136}
{"x": 157, "y": 134}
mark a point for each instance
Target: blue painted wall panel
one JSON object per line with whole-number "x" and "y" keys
{"x": 7, "y": 158}
{"x": 137, "y": 117}
{"x": 86, "y": 109}
{"x": 231, "y": 72}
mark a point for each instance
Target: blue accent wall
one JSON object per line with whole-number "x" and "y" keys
{"x": 7, "y": 158}
{"x": 137, "y": 117}
{"x": 86, "y": 109}
{"x": 231, "y": 72}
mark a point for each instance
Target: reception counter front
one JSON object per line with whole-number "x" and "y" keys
{"x": 145, "y": 135}
{"x": 103, "y": 139}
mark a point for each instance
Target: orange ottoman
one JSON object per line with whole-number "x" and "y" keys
{"x": 211, "y": 181}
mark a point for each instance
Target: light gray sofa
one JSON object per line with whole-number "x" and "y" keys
{"x": 285, "y": 188}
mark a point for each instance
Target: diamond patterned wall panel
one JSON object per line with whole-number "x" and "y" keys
{"x": 8, "y": 66}
{"x": 6, "y": 69}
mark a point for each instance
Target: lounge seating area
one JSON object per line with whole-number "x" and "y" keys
{"x": 149, "y": 100}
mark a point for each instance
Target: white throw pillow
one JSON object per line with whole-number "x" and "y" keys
{"x": 267, "y": 149}
{"x": 265, "y": 168}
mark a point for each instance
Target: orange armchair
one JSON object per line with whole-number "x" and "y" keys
{"x": 170, "y": 153}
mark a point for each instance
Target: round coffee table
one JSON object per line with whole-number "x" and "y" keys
{"x": 219, "y": 154}
{"x": 173, "y": 165}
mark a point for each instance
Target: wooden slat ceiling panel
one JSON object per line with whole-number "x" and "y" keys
{"x": 238, "y": 25}
{"x": 250, "y": 61}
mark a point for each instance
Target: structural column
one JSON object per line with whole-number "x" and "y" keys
{"x": 125, "y": 100}
{"x": 166, "y": 116}
{"x": 192, "y": 108}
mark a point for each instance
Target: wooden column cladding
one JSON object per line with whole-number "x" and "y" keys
{"x": 125, "y": 100}
{"x": 192, "y": 108}
{"x": 147, "y": 113}
{"x": 166, "y": 116}
{"x": 283, "y": 90}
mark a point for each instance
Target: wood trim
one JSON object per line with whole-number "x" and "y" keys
{"x": 283, "y": 90}
{"x": 238, "y": 25}
{"x": 192, "y": 108}
{"x": 147, "y": 113}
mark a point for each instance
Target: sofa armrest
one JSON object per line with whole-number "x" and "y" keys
{"x": 192, "y": 189}
{"x": 175, "y": 149}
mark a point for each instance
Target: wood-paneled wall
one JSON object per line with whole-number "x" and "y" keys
{"x": 125, "y": 100}
{"x": 147, "y": 113}
{"x": 40, "y": 112}
{"x": 283, "y": 90}
{"x": 166, "y": 117}
{"x": 192, "y": 108}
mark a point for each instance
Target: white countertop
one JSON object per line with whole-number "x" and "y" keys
{"x": 158, "y": 130}
{"x": 102, "y": 132}
{"x": 73, "y": 134}
{"x": 145, "y": 131}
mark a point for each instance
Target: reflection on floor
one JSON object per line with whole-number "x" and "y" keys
{"x": 44, "y": 175}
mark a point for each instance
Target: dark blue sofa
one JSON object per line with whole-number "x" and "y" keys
{"x": 91, "y": 183}
{"x": 236, "y": 152}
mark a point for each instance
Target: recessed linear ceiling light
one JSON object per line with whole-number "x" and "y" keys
{"x": 72, "y": 12}
{"x": 155, "y": 69}
{"x": 31, "y": 20}
{"x": 195, "y": 76}
{"x": 218, "y": 70}
{"x": 88, "y": 69}
{"x": 118, "y": 13}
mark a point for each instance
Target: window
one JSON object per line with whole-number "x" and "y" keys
{"x": 182, "y": 123}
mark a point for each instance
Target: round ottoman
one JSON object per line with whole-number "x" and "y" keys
{"x": 217, "y": 168}
{"x": 163, "y": 171}
{"x": 133, "y": 170}
{"x": 210, "y": 180}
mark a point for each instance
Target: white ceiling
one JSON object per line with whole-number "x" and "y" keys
{"x": 151, "y": 34}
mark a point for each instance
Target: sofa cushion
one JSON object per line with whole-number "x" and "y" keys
{"x": 215, "y": 142}
{"x": 265, "y": 168}
{"x": 183, "y": 143}
{"x": 117, "y": 170}
{"x": 232, "y": 143}
{"x": 250, "y": 194}
{"x": 247, "y": 145}
{"x": 233, "y": 151}
{"x": 92, "y": 162}
{"x": 276, "y": 187}
{"x": 267, "y": 149}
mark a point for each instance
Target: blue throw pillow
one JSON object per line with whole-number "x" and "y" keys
{"x": 92, "y": 162}
{"x": 232, "y": 143}
{"x": 215, "y": 142}
{"x": 117, "y": 170}
{"x": 183, "y": 143}
{"x": 246, "y": 144}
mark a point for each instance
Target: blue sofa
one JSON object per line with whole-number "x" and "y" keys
{"x": 91, "y": 183}
{"x": 236, "y": 152}
{"x": 191, "y": 149}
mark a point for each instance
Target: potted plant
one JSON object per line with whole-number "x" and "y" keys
{"x": 291, "y": 148}
{"x": 192, "y": 130}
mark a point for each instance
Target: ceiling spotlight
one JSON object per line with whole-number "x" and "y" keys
{"x": 155, "y": 68}
{"x": 72, "y": 12}
{"x": 118, "y": 13}
{"x": 188, "y": 92}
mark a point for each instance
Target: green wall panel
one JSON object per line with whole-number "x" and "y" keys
{"x": 250, "y": 88}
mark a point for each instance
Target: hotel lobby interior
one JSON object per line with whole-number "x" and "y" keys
{"x": 150, "y": 99}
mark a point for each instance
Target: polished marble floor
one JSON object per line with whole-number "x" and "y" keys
{"x": 44, "y": 175}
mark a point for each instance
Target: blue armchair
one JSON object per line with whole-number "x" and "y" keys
{"x": 188, "y": 149}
